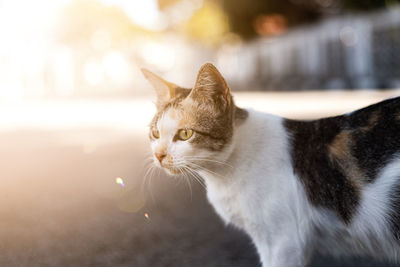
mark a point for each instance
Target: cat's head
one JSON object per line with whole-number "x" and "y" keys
{"x": 192, "y": 128}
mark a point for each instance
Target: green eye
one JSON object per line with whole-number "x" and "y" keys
{"x": 155, "y": 133}
{"x": 185, "y": 134}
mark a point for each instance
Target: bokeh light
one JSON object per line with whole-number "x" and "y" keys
{"x": 119, "y": 181}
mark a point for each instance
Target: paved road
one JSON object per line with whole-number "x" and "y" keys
{"x": 60, "y": 204}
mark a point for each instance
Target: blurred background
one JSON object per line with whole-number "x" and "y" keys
{"x": 76, "y": 186}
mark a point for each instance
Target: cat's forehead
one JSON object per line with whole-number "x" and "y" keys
{"x": 168, "y": 122}
{"x": 177, "y": 116}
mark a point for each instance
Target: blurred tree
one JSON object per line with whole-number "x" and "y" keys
{"x": 243, "y": 13}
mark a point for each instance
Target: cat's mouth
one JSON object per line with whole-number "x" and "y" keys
{"x": 175, "y": 168}
{"x": 178, "y": 169}
{"x": 172, "y": 170}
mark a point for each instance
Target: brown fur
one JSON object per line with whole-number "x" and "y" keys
{"x": 210, "y": 85}
{"x": 340, "y": 153}
{"x": 372, "y": 122}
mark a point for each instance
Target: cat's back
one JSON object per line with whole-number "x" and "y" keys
{"x": 367, "y": 138}
{"x": 375, "y": 134}
{"x": 350, "y": 165}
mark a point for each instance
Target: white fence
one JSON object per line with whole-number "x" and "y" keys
{"x": 353, "y": 51}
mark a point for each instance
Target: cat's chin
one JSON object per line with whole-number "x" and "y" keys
{"x": 172, "y": 171}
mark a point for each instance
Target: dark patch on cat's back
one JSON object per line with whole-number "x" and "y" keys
{"x": 376, "y": 147}
{"x": 377, "y": 135}
{"x": 326, "y": 185}
{"x": 334, "y": 157}
{"x": 341, "y": 155}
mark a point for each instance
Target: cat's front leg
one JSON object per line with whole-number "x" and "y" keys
{"x": 286, "y": 251}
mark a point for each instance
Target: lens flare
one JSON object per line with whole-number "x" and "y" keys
{"x": 119, "y": 181}
{"x": 146, "y": 215}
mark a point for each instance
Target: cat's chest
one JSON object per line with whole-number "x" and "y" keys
{"x": 230, "y": 203}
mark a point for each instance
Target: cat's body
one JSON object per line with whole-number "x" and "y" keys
{"x": 266, "y": 197}
{"x": 261, "y": 195}
{"x": 331, "y": 185}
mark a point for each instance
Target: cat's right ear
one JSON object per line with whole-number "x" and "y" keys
{"x": 164, "y": 89}
{"x": 211, "y": 88}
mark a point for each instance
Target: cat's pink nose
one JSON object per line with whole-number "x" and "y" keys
{"x": 160, "y": 156}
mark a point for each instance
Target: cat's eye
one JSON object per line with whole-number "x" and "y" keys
{"x": 155, "y": 133}
{"x": 185, "y": 134}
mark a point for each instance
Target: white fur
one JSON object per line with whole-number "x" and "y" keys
{"x": 262, "y": 195}
{"x": 369, "y": 232}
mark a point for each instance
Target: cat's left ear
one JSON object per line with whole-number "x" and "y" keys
{"x": 211, "y": 87}
{"x": 164, "y": 89}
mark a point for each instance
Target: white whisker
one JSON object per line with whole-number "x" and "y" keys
{"x": 181, "y": 170}
{"x": 207, "y": 160}
{"x": 206, "y": 170}
{"x": 195, "y": 176}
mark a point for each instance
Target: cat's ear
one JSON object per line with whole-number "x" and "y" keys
{"x": 164, "y": 90}
{"x": 211, "y": 87}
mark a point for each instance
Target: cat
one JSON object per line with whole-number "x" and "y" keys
{"x": 294, "y": 187}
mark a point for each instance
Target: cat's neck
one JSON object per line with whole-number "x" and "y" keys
{"x": 259, "y": 143}
{"x": 260, "y": 166}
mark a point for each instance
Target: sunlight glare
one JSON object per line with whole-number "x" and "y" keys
{"x": 94, "y": 73}
{"x": 143, "y": 13}
{"x": 101, "y": 40}
{"x": 63, "y": 68}
{"x": 161, "y": 55}
{"x": 117, "y": 67}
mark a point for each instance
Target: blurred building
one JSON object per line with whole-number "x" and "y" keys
{"x": 346, "y": 52}
{"x": 95, "y": 48}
